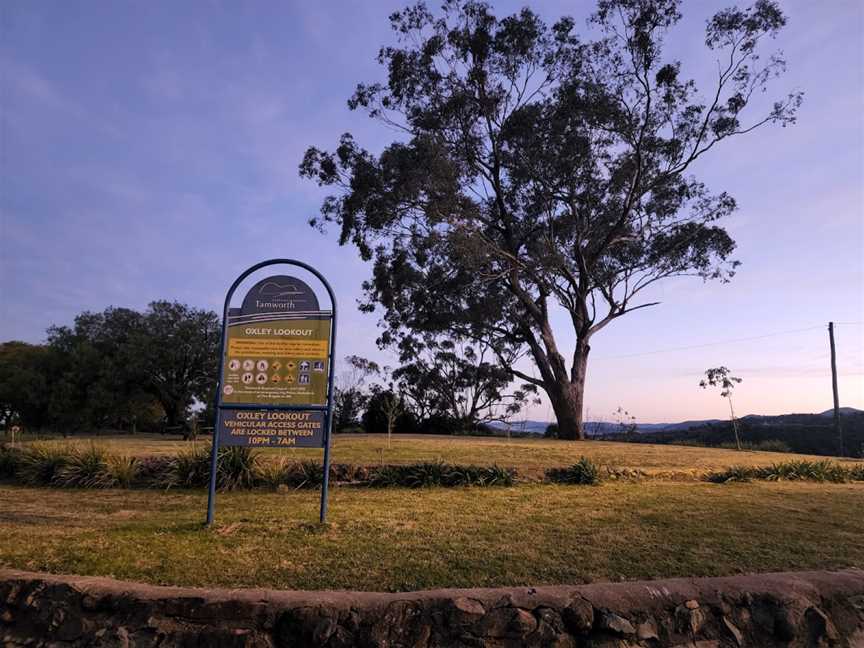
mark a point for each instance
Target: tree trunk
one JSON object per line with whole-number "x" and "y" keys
{"x": 568, "y": 397}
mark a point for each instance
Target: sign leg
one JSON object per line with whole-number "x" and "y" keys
{"x": 214, "y": 456}
{"x": 325, "y": 484}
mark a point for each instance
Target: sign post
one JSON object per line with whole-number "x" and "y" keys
{"x": 275, "y": 385}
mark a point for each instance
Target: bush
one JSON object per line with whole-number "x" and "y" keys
{"x": 304, "y": 474}
{"x": 84, "y": 469}
{"x": 188, "y": 469}
{"x": 10, "y": 460}
{"x": 237, "y": 468}
{"x": 584, "y": 473}
{"x": 733, "y": 474}
{"x": 153, "y": 471}
{"x": 551, "y": 431}
{"x": 122, "y": 471}
{"x": 820, "y": 471}
{"x": 40, "y": 463}
{"x": 427, "y": 474}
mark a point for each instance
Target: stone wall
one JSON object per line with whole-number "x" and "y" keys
{"x": 791, "y": 609}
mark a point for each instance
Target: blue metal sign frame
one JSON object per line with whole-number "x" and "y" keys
{"x": 327, "y": 409}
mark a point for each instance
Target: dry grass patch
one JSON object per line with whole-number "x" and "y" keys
{"x": 530, "y": 456}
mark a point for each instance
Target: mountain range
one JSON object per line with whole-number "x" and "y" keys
{"x": 605, "y": 427}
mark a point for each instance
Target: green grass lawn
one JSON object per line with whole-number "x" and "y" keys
{"x": 399, "y": 539}
{"x": 530, "y": 456}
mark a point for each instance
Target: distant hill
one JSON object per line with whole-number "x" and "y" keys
{"x": 804, "y": 433}
{"x": 604, "y": 427}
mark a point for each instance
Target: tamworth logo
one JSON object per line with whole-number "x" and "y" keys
{"x": 278, "y": 296}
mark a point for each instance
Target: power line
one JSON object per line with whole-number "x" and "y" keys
{"x": 710, "y": 344}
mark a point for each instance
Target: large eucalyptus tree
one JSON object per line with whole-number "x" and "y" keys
{"x": 531, "y": 167}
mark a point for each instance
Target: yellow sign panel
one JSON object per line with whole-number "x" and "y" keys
{"x": 277, "y": 362}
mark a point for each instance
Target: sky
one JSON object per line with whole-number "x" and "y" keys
{"x": 149, "y": 150}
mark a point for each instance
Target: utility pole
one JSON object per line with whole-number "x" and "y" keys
{"x": 837, "y": 427}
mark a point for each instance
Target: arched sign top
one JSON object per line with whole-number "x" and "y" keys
{"x": 279, "y": 295}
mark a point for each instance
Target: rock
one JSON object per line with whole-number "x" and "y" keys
{"x": 688, "y": 621}
{"x": 819, "y": 627}
{"x": 647, "y": 630}
{"x": 616, "y": 624}
{"x": 691, "y": 605}
{"x": 578, "y": 616}
{"x": 507, "y": 622}
{"x": 734, "y": 631}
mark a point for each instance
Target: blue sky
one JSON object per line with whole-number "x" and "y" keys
{"x": 149, "y": 150}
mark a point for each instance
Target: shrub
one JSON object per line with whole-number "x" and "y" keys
{"x": 304, "y": 474}
{"x": 733, "y": 474}
{"x": 188, "y": 469}
{"x": 121, "y": 471}
{"x": 84, "y": 469}
{"x": 421, "y": 475}
{"x": 40, "y": 463}
{"x": 10, "y": 460}
{"x": 584, "y": 473}
{"x": 271, "y": 474}
{"x": 856, "y": 473}
{"x": 237, "y": 468}
{"x": 153, "y": 471}
{"x": 820, "y": 471}
{"x": 551, "y": 431}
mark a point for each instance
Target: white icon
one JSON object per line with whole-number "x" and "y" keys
{"x": 247, "y": 378}
{"x": 304, "y": 379}
{"x": 318, "y": 366}
{"x": 304, "y": 365}
{"x": 248, "y": 365}
{"x": 234, "y": 365}
{"x": 262, "y": 365}
{"x": 227, "y": 390}
{"x": 261, "y": 378}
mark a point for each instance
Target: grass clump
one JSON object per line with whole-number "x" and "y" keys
{"x": 10, "y": 460}
{"x": 187, "y": 469}
{"x": 732, "y": 474}
{"x": 304, "y": 474}
{"x": 583, "y": 473}
{"x": 237, "y": 468}
{"x": 122, "y": 471}
{"x": 818, "y": 471}
{"x": 86, "y": 468}
{"x": 41, "y": 463}
{"x": 815, "y": 471}
{"x": 438, "y": 473}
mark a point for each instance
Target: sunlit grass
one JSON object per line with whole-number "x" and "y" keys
{"x": 401, "y": 539}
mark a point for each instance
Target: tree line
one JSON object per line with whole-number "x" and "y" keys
{"x": 155, "y": 370}
{"x": 120, "y": 369}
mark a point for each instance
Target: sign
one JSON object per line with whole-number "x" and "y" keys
{"x": 272, "y": 428}
{"x": 276, "y": 373}
{"x": 277, "y": 362}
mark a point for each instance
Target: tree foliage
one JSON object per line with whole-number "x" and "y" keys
{"x": 116, "y": 369}
{"x": 536, "y": 170}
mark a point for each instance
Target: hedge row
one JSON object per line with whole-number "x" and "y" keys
{"x": 92, "y": 467}
{"x": 818, "y": 471}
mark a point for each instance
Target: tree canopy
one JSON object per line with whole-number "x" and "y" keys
{"x": 535, "y": 169}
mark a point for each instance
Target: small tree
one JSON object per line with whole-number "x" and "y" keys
{"x": 351, "y": 394}
{"x": 720, "y": 377}
{"x": 393, "y": 408}
{"x": 626, "y": 423}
